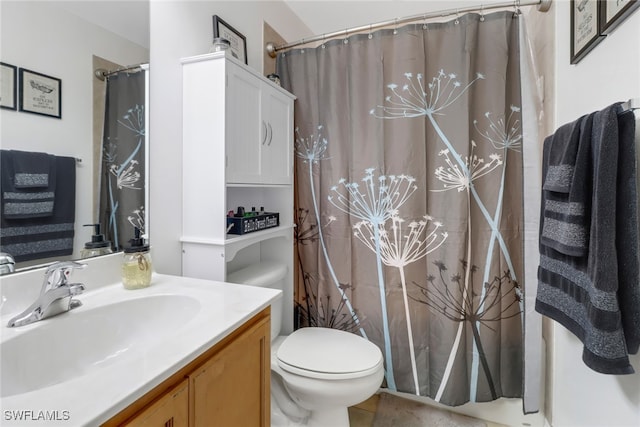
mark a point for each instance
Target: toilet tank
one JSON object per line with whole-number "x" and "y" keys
{"x": 267, "y": 274}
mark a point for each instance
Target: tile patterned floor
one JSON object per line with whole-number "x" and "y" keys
{"x": 362, "y": 415}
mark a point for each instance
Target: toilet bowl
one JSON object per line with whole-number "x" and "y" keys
{"x": 316, "y": 373}
{"x": 325, "y": 371}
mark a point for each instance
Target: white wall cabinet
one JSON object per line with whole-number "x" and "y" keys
{"x": 237, "y": 151}
{"x": 277, "y": 150}
{"x": 260, "y": 125}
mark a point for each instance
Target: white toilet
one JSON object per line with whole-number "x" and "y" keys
{"x": 316, "y": 373}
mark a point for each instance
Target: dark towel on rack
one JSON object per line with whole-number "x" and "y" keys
{"x": 31, "y": 170}
{"x": 24, "y": 193}
{"x": 627, "y": 237}
{"x": 568, "y": 203}
{"x": 596, "y": 296}
{"x": 52, "y": 236}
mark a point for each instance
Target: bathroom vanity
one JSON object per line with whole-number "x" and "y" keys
{"x": 182, "y": 352}
{"x": 227, "y": 385}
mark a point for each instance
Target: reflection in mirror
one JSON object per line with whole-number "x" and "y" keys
{"x": 69, "y": 40}
{"x": 122, "y": 202}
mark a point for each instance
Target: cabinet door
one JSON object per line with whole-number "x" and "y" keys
{"x": 277, "y": 150}
{"x": 232, "y": 388}
{"x": 170, "y": 410}
{"x": 245, "y": 133}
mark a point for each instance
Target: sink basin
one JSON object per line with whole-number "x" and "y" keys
{"x": 87, "y": 339}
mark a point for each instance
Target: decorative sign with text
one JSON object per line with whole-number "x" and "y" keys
{"x": 40, "y": 94}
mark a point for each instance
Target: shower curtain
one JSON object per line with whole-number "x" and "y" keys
{"x": 409, "y": 198}
{"x": 122, "y": 183}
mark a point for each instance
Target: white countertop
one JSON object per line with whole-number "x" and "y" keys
{"x": 97, "y": 395}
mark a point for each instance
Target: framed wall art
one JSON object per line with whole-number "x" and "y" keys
{"x": 585, "y": 28}
{"x": 236, "y": 39}
{"x": 614, "y": 12}
{"x": 8, "y": 86}
{"x": 40, "y": 94}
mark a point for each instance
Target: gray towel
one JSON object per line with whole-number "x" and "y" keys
{"x": 45, "y": 237}
{"x": 28, "y": 184}
{"x": 563, "y": 152}
{"x": 597, "y": 296}
{"x": 568, "y": 204}
{"x": 627, "y": 233}
{"x": 31, "y": 170}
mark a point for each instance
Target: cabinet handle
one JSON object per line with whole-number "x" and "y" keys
{"x": 264, "y": 132}
{"x": 270, "y": 133}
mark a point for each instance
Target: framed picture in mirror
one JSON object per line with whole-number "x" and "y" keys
{"x": 585, "y": 28}
{"x": 40, "y": 94}
{"x": 614, "y": 12}
{"x": 238, "y": 42}
{"x": 8, "y": 85}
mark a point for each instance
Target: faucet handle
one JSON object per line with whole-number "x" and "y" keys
{"x": 58, "y": 274}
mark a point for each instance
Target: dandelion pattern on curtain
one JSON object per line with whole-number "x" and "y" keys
{"x": 122, "y": 186}
{"x": 409, "y": 197}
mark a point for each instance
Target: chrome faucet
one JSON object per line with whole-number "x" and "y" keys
{"x": 56, "y": 295}
{"x": 7, "y": 263}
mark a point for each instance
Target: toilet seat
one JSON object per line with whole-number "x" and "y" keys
{"x": 325, "y": 353}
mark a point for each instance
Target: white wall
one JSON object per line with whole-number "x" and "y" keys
{"x": 609, "y": 73}
{"x": 182, "y": 29}
{"x": 42, "y": 37}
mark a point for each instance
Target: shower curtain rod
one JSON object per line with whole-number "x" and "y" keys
{"x": 543, "y": 6}
{"x": 101, "y": 73}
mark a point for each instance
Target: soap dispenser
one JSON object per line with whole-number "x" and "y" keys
{"x": 136, "y": 266}
{"x": 97, "y": 246}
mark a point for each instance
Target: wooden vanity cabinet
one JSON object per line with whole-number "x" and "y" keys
{"x": 230, "y": 388}
{"x": 170, "y": 410}
{"x": 228, "y": 385}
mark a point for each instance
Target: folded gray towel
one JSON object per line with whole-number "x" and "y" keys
{"x": 28, "y": 204}
{"x": 27, "y": 192}
{"x": 567, "y": 180}
{"x": 563, "y": 151}
{"x": 31, "y": 170}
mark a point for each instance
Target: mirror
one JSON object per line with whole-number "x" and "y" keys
{"x": 68, "y": 40}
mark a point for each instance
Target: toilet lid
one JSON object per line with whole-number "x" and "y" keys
{"x": 324, "y": 352}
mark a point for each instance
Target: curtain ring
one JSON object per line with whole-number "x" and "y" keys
{"x": 395, "y": 26}
{"x": 482, "y": 13}
{"x": 323, "y": 41}
{"x": 516, "y": 6}
{"x": 457, "y": 21}
{"x": 346, "y": 36}
{"x": 424, "y": 24}
{"x": 370, "y": 36}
